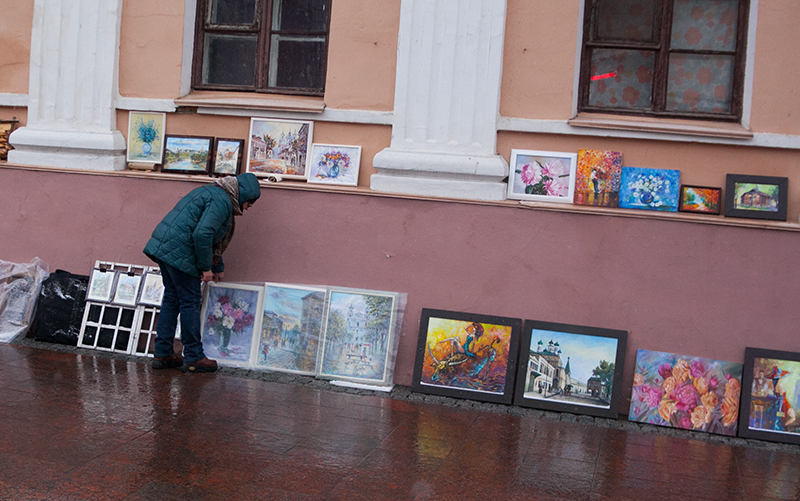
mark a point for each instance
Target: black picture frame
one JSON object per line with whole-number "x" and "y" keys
{"x": 206, "y": 145}
{"x": 438, "y": 373}
{"x": 760, "y": 206}
{"x": 548, "y": 390}
{"x": 216, "y": 166}
{"x": 757, "y": 401}
{"x": 683, "y": 207}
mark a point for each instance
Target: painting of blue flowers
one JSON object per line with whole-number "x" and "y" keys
{"x": 650, "y": 189}
{"x": 543, "y": 176}
{"x": 145, "y": 137}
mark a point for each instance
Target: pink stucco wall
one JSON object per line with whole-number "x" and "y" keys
{"x": 674, "y": 286}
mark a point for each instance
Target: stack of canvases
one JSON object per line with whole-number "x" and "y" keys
{"x": 579, "y": 369}
{"x": 345, "y": 335}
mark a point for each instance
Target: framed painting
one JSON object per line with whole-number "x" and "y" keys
{"x": 649, "y": 189}
{"x": 152, "y": 289}
{"x": 146, "y": 136}
{"x": 570, "y": 368}
{"x": 101, "y": 284}
{"x": 598, "y": 177}
{"x": 771, "y": 383}
{"x": 6, "y": 128}
{"x": 279, "y": 147}
{"x": 187, "y": 154}
{"x": 358, "y": 340}
{"x": 691, "y": 393}
{"x": 701, "y": 199}
{"x": 290, "y": 328}
{"x": 127, "y": 290}
{"x": 334, "y": 164}
{"x": 756, "y": 197}
{"x": 230, "y": 321}
{"x": 466, "y": 355}
{"x": 543, "y": 176}
{"x": 228, "y": 154}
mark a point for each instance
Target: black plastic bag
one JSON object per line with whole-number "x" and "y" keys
{"x": 62, "y": 301}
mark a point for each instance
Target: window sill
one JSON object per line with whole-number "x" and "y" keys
{"x": 250, "y": 101}
{"x": 661, "y": 125}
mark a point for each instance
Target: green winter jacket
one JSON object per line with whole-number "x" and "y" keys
{"x": 185, "y": 237}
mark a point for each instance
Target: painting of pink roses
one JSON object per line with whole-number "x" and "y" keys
{"x": 692, "y": 393}
{"x": 544, "y": 176}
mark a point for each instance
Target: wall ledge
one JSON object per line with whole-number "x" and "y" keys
{"x": 661, "y": 125}
{"x": 252, "y": 101}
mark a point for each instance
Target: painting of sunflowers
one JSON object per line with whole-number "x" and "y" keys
{"x": 691, "y": 393}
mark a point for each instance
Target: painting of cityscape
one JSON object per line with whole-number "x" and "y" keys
{"x": 571, "y": 368}
{"x": 467, "y": 355}
{"x": 279, "y": 147}
{"x": 358, "y": 343}
{"x": 187, "y": 154}
{"x": 771, "y": 395}
{"x": 230, "y": 318}
{"x": 290, "y": 329}
{"x": 691, "y": 393}
{"x": 649, "y": 189}
{"x": 598, "y": 178}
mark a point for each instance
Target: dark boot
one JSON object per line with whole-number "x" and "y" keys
{"x": 171, "y": 362}
{"x": 202, "y": 365}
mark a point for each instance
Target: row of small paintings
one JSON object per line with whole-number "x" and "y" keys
{"x": 125, "y": 288}
{"x": 597, "y": 177}
{"x": 278, "y": 149}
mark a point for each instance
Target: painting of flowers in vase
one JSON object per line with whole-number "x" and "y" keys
{"x": 650, "y": 189}
{"x": 598, "y": 178}
{"x": 543, "y": 176}
{"x": 145, "y": 137}
{"x": 691, "y": 393}
{"x": 230, "y": 319}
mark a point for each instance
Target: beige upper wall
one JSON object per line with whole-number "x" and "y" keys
{"x": 16, "y": 20}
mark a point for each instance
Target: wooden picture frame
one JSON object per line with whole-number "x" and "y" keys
{"x": 482, "y": 367}
{"x": 571, "y": 368}
{"x": 334, "y": 164}
{"x": 769, "y": 402}
{"x": 187, "y": 154}
{"x": 146, "y": 137}
{"x": 756, "y": 197}
{"x": 542, "y": 176}
{"x": 228, "y": 155}
{"x": 279, "y": 148}
{"x": 700, "y": 199}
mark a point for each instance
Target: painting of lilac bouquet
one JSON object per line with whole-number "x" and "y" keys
{"x": 229, "y": 321}
{"x": 543, "y": 176}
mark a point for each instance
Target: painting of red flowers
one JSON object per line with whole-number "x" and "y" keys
{"x": 231, "y": 317}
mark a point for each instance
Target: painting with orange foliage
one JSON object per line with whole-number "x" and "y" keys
{"x": 598, "y": 178}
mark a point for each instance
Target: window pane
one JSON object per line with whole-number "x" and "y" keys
{"x": 300, "y": 15}
{"x": 705, "y": 24}
{"x": 296, "y": 62}
{"x": 700, "y": 83}
{"x": 626, "y": 20}
{"x": 621, "y": 78}
{"x": 230, "y": 12}
{"x": 230, "y": 59}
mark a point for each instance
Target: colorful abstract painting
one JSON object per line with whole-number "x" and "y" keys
{"x": 598, "y": 178}
{"x": 700, "y": 199}
{"x": 231, "y": 317}
{"x": 542, "y": 176}
{"x": 279, "y": 147}
{"x": 290, "y": 328}
{"x": 468, "y": 355}
{"x": 359, "y": 336}
{"x": 650, "y": 189}
{"x": 691, "y": 393}
{"x": 334, "y": 164}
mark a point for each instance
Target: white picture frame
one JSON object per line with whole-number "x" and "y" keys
{"x": 239, "y": 350}
{"x": 152, "y": 293}
{"x": 101, "y": 285}
{"x": 126, "y": 292}
{"x": 279, "y": 148}
{"x": 334, "y": 164}
{"x": 542, "y": 176}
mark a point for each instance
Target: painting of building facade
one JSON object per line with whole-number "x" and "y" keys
{"x": 279, "y": 147}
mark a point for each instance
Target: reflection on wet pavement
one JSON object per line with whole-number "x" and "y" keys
{"x": 85, "y": 427}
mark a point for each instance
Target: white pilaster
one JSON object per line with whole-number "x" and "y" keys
{"x": 447, "y": 97}
{"x": 73, "y": 81}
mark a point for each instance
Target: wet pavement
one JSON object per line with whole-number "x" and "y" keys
{"x": 78, "y": 426}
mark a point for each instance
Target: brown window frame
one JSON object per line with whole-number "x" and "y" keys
{"x": 263, "y": 28}
{"x": 660, "y": 71}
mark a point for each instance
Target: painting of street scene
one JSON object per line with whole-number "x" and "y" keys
{"x": 279, "y": 147}
{"x": 571, "y": 368}
{"x": 291, "y": 329}
{"x": 186, "y": 154}
{"x": 359, "y": 336}
{"x": 774, "y": 396}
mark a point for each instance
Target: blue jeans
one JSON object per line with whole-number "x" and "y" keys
{"x": 181, "y": 295}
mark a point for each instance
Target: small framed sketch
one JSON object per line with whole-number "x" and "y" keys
{"x": 231, "y": 319}
{"x": 152, "y": 289}
{"x": 756, "y": 197}
{"x": 334, "y": 164}
{"x": 544, "y": 176}
{"x": 100, "y": 287}
{"x": 769, "y": 396}
{"x": 279, "y": 147}
{"x": 701, "y": 199}
{"x": 467, "y": 355}
{"x": 571, "y": 368}
{"x": 649, "y": 189}
{"x": 228, "y": 154}
{"x": 146, "y": 136}
{"x": 127, "y": 289}
{"x": 187, "y": 154}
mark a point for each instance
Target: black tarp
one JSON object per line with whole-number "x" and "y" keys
{"x": 61, "y": 303}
